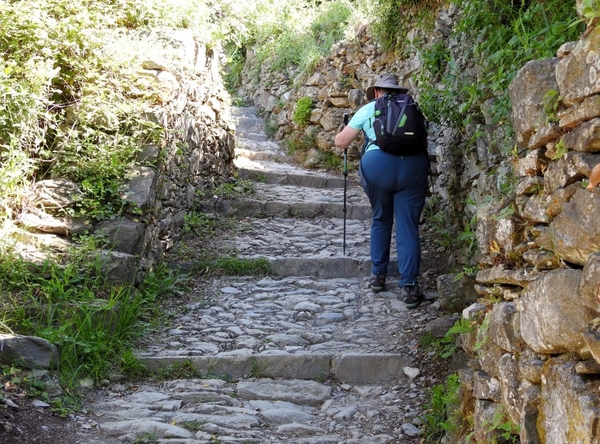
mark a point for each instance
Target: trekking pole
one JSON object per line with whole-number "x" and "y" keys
{"x": 345, "y": 185}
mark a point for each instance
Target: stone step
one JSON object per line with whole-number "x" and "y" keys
{"x": 247, "y": 120}
{"x": 259, "y": 155}
{"x": 267, "y": 171}
{"x": 307, "y": 355}
{"x": 285, "y": 237}
{"x": 297, "y": 201}
{"x": 352, "y": 368}
{"x": 326, "y": 268}
{"x": 263, "y": 151}
{"x": 258, "y": 136}
{"x": 252, "y": 207}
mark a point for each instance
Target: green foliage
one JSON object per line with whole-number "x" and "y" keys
{"x": 482, "y": 333}
{"x": 93, "y": 324}
{"x": 204, "y": 225}
{"x": 502, "y": 36}
{"x": 551, "y": 104}
{"x": 447, "y": 235}
{"x": 232, "y": 74}
{"x": 442, "y": 414}
{"x": 501, "y": 426}
{"x": 146, "y": 438}
{"x": 445, "y": 346}
{"x": 192, "y": 426}
{"x": 233, "y": 266}
{"x": 331, "y": 162}
{"x": 64, "y": 110}
{"x": 466, "y": 271}
{"x": 235, "y": 188}
{"x": 505, "y": 212}
{"x": 395, "y": 18}
{"x": 507, "y": 183}
{"x": 590, "y": 10}
{"x": 180, "y": 370}
{"x": 559, "y": 150}
{"x": 300, "y": 142}
{"x": 256, "y": 371}
{"x": 438, "y": 221}
{"x": 131, "y": 365}
{"x": 302, "y": 111}
{"x": 25, "y": 383}
{"x": 467, "y": 237}
{"x": 271, "y": 127}
{"x": 297, "y": 34}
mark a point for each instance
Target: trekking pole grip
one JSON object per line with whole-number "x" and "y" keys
{"x": 346, "y": 120}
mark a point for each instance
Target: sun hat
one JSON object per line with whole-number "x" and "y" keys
{"x": 386, "y": 81}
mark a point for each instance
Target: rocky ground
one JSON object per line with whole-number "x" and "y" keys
{"x": 306, "y": 355}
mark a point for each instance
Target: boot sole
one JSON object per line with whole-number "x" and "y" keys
{"x": 414, "y": 304}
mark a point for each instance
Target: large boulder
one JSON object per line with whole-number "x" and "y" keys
{"x": 569, "y": 405}
{"x": 27, "y": 351}
{"x": 553, "y": 314}
{"x": 576, "y": 230}
{"x": 528, "y": 96}
{"x": 577, "y": 73}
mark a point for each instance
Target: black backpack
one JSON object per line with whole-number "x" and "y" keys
{"x": 400, "y": 126}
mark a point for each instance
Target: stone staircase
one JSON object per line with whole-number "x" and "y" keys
{"x": 308, "y": 355}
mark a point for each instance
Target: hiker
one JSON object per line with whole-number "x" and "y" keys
{"x": 396, "y": 186}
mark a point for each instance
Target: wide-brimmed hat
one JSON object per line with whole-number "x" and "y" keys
{"x": 387, "y": 81}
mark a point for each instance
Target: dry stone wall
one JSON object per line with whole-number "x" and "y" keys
{"x": 197, "y": 150}
{"x": 534, "y": 306}
{"x": 542, "y": 338}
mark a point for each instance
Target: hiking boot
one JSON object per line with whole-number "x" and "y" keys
{"x": 377, "y": 282}
{"x": 412, "y": 295}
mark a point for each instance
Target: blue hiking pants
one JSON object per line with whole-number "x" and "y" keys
{"x": 396, "y": 187}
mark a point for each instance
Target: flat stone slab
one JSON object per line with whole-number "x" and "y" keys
{"x": 151, "y": 427}
{"x": 265, "y": 155}
{"x": 361, "y": 368}
{"x": 355, "y": 368}
{"x": 299, "y": 392}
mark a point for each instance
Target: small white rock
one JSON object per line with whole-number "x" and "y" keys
{"x": 38, "y": 403}
{"x": 411, "y": 372}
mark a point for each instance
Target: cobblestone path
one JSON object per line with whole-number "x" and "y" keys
{"x": 308, "y": 355}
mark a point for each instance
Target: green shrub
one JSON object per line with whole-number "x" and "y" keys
{"x": 442, "y": 411}
{"x": 501, "y": 36}
{"x": 302, "y": 111}
{"x": 68, "y": 112}
{"x": 93, "y": 324}
{"x": 284, "y": 34}
{"x": 395, "y": 18}
{"x": 234, "y": 266}
{"x": 300, "y": 142}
